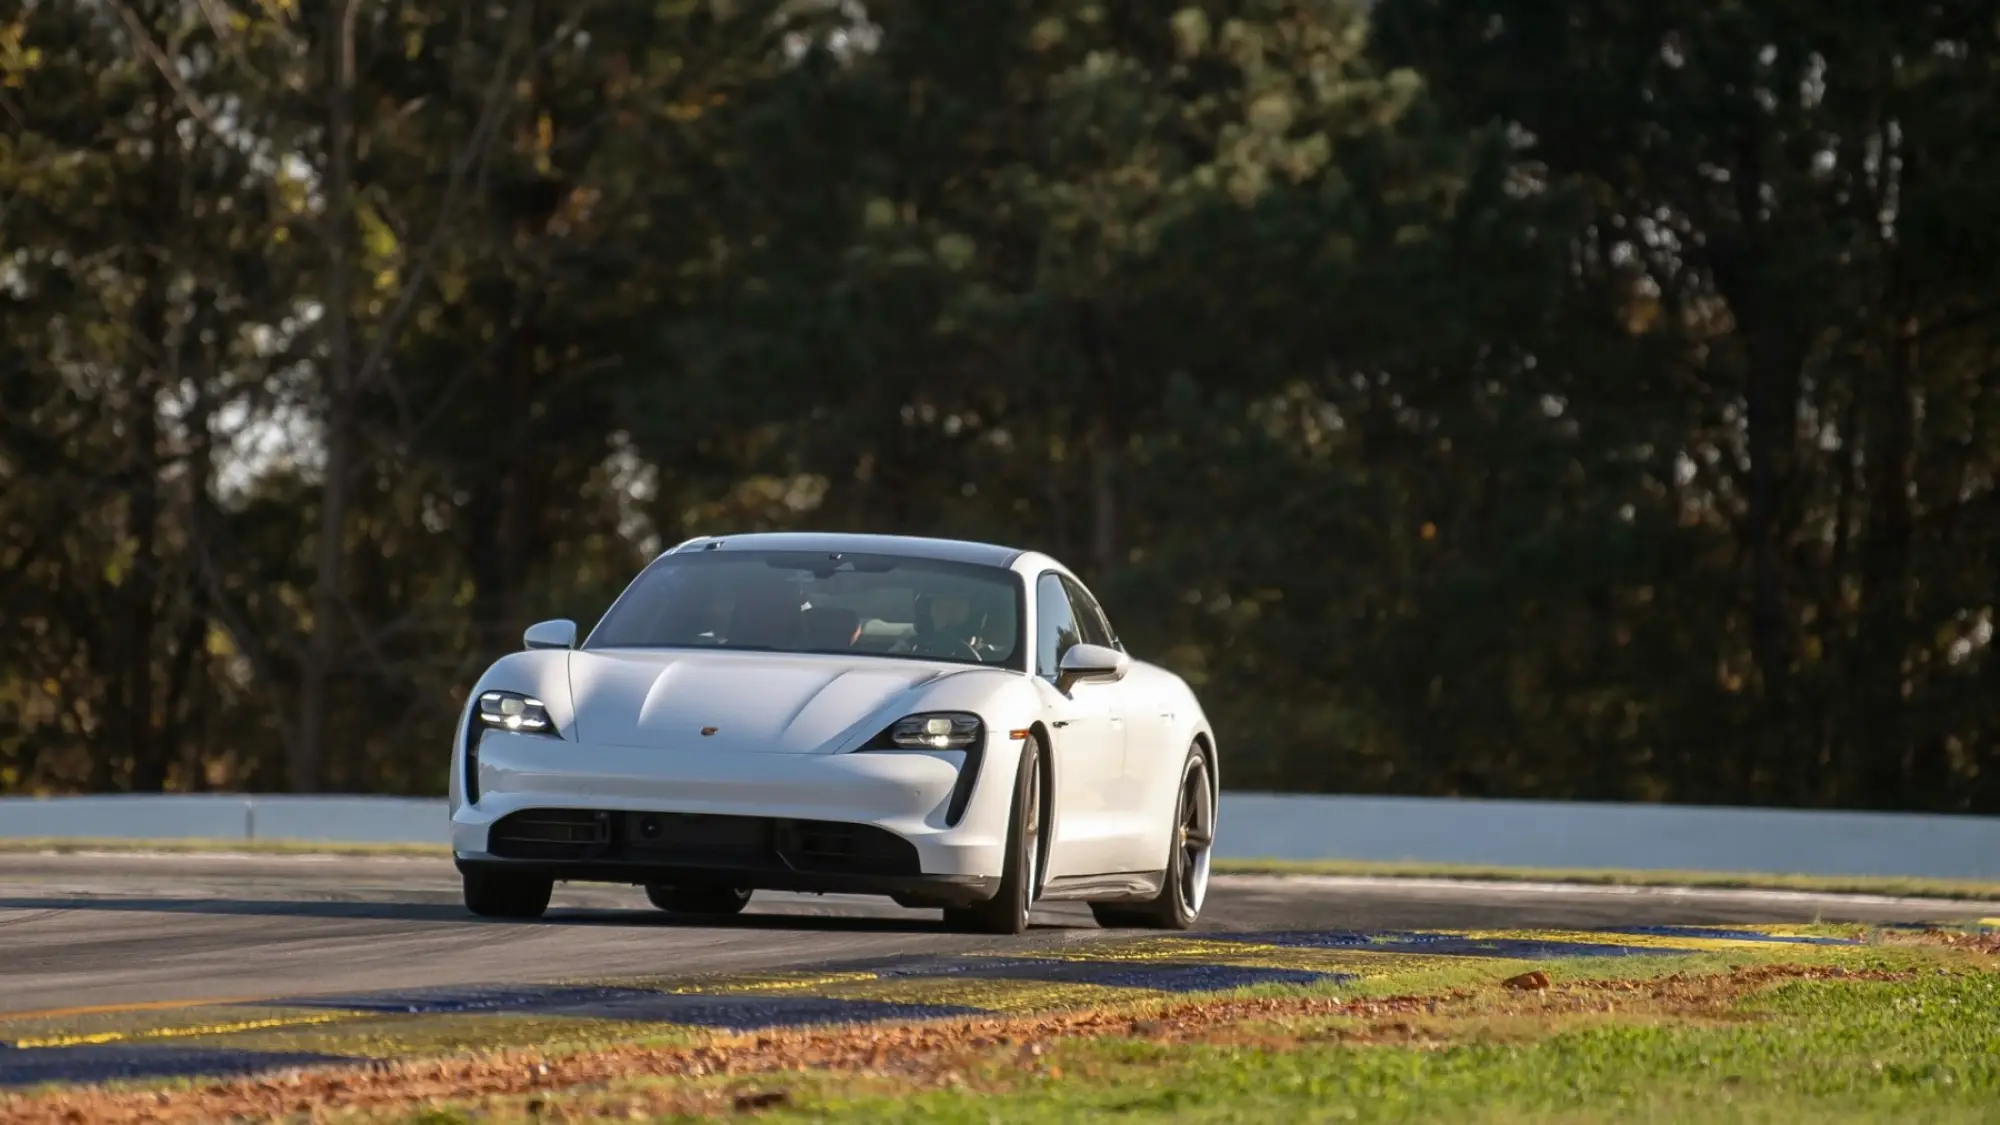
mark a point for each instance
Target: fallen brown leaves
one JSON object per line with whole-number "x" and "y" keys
{"x": 1695, "y": 994}
{"x": 922, "y": 1055}
{"x": 1987, "y": 942}
{"x": 1526, "y": 1008}
{"x": 930, "y": 1053}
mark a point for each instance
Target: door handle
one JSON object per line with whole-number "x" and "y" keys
{"x": 1060, "y": 723}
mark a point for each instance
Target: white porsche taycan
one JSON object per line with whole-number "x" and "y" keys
{"x": 954, "y": 725}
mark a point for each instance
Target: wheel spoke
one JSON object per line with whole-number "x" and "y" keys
{"x": 1032, "y": 826}
{"x": 1197, "y": 835}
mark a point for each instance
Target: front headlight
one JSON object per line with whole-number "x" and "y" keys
{"x": 940, "y": 730}
{"x": 510, "y": 710}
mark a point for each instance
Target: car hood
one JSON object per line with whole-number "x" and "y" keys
{"x": 756, "y": 702}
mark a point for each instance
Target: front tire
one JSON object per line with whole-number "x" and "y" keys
{"x": 698, "y": 899}
{"x": 1020, "y": 880}
{"x": 1179, "y": 902}
{"x": 502, "y": 894}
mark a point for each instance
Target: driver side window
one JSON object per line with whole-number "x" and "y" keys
{"x": 1055, "y": 625}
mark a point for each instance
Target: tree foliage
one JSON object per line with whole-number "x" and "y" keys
{"x": 1468, "y": 396}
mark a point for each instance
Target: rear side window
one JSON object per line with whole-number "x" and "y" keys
{"x": 1090, "y": 620}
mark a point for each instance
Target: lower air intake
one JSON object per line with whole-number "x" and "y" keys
{"x": 572, "y": 834}
{"x": 702, "y": 841}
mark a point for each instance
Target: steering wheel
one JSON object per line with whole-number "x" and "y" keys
{"x": 943, "y": 646}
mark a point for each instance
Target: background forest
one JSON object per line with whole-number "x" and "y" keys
{"x": 1480, "y": 397}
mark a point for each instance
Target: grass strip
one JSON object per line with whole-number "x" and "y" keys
{"x": 1908, "y": 1047}
{"x": 1654, "y": 1038}
{"x": 1903, "y": 1034}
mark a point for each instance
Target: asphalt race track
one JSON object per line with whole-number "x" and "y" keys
{"x": 79, "y": 931}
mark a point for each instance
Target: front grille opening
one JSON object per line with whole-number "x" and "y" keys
{"x": 572, "y": 834}
{"x": 812, "y": 845}
{"x": 702, "y": 840}
{"x": 742, "y": 841}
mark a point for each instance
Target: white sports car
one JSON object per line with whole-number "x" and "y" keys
{"x": 950, "y": 724}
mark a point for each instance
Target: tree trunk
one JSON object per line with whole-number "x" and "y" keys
{"x": 1839, "y": 751}
{"x": 1103, "y": 499}
{"x": 482, "y": 549}
{"x": 132, "y": 688}
{"x": 1885, "y": 564}
{"x": 1774, "y": 353}
{"x": 1056, "y": 529}
{"x": 1771, "y": 424}
{"x": 149, "y": 774}
{"x": 520, "y": 536}
{"x": 1104, "y": 437}
{"x": 142, "y": 520}
{"x": 308, "y": 764}
{"x": 183, "y": 708}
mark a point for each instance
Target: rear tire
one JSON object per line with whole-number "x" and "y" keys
{"x": 500, "y": 894}
{"x": 1020, "y": 880}
{"x": 698, "y": 899}
{"x": 1179, "y": 902}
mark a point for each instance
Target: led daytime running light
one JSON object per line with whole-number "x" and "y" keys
{"x": 507, "y": 710}
{"x": 946, "y": 731}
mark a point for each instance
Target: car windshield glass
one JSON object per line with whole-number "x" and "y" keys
{"x": 794, "y": 601}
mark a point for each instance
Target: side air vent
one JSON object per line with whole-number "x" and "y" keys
{"x": 474, "y": 729}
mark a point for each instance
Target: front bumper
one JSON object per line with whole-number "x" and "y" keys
{"x": 908, "y": 890}
{"x": 903, "y": 794}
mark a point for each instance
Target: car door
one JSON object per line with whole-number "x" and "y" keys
{"x": 1145, "y": 772}
{"x": 1087, "y": 750}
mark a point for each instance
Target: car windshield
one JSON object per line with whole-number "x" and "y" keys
{"x": 819, "y": 602}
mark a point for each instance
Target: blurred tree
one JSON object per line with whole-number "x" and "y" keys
{"x": 1790, "y": 196}
{"x": 1494, "y": 400}
{"x": 137, "y": 239}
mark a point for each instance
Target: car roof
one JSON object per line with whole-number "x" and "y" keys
{"x": 905, "y": 546}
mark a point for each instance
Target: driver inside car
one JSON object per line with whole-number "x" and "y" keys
{"x": 947, "y": 622}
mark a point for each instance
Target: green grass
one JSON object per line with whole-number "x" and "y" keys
{"x": 1922, "y": 1047}
{"x": 1818, "y": 1051}
{"x": 1977, "y": 890}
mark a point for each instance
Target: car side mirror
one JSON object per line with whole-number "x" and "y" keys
{"x": 1085, "y": 663}
{"x": 560, "y": 633}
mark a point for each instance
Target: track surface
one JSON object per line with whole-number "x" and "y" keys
{"x": 84, "y": 930}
